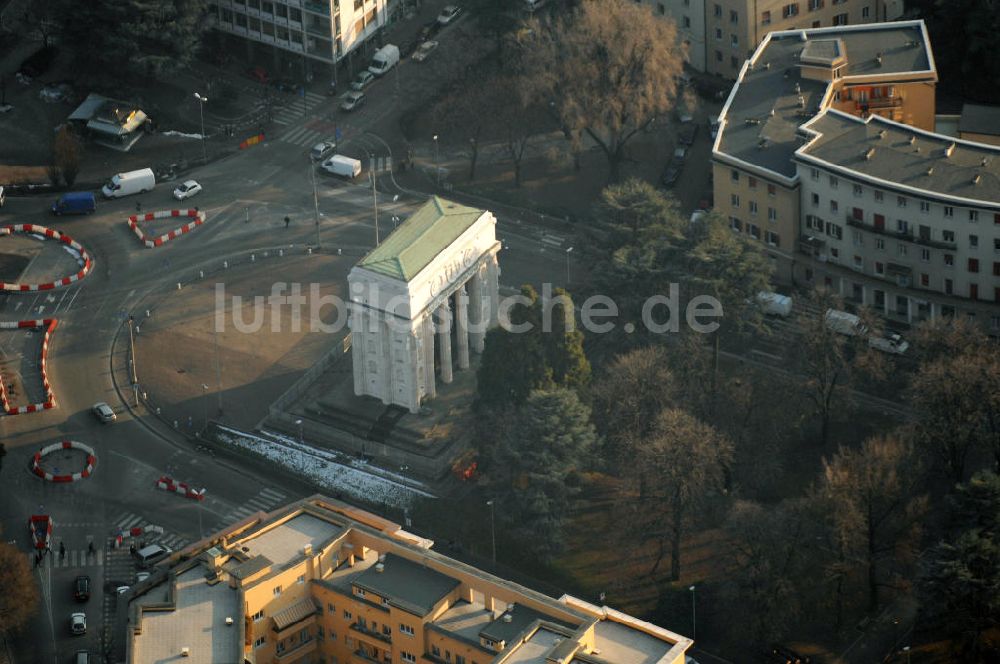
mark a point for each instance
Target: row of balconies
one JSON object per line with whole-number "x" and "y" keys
{"x": 906, "y": 236}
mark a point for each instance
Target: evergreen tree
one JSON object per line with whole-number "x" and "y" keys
{"x": 532, "y": 470}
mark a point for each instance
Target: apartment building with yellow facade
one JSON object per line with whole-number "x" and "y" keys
{"x": 320, "y": 582}
{"x": 827, "y": 154}
{"x": 721, "y": 34}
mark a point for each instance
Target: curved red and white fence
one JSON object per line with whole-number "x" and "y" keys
{"x": 50, "y": 400}
{"x": 36, "y": 462}
{"x": 197, "y": 219}
{"x": 59, "y": 237}
{"x": 167, "y": 484}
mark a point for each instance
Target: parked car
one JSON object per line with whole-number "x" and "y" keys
{"x": 73, "y": 202}
{"x": 141, "y": 576}
{"x": 81, "y": 588}
{"x": 187, "y": 190}
{"x": 533, "y": 5}
{"x": 425, "y": 50}
{"x": 3, "y": 198}
{"x": 321, "y": 150}
{"x": 285, "y": 85}
{"x": 362, "y": 80}
{"x": 448, "y": 14}
{"x": 428, "y": 30}
{"x": 351, "y": 101}
{"x": 78, "y": 623}
{"x": 82, "y": 657}
{"x": 687, "y": 133}
{"x": 713, "y": 125}
{"x": 674, "y": 168}
{"x": 103, "y": 412}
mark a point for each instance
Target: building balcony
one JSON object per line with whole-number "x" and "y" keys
{"x": 360, "y": 655}
{"x": 296, "y": 651}
{"x": 316, "y": 7}
{"x": 370, "y": 632}
{"x": 881, "y": 102}
{"x": 319, "y": 30}
{"x": 811, "y": 245}
{"x": 906, "y": 236}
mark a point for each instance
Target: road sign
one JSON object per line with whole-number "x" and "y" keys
{"x": 337, "y": 133}
{"x": 302, "y": 91}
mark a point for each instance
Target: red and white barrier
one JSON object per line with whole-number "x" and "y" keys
{"x": 36, "y": 462}
{"x": 167, "y": 484}
{"x": 197, "y": 219}
{"x": 50, "y": 400}
{"x": 55, "y": 235}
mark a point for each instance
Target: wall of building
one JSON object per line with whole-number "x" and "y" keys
{"x": 908, "y": 102}
{"x": 991, "y": 139}
{"x": 867, "y": 228}
{"x": 776, "y": 220}
{"x": 689, "y": 15}
{"x": 734, "y": 28}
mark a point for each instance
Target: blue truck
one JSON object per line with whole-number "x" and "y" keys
{"x": 75, "y": 202}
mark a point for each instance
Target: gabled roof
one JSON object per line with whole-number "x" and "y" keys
{"x": 428, "y": 232}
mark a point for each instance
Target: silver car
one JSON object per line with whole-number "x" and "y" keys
{"x": 104, "y": 412}
{"x": 351, "y": 101}
{"x": 78, "y": 623}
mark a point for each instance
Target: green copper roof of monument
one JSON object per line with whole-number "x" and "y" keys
{"x": 429, "y": 231}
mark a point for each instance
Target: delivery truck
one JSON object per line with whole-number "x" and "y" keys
{"x": 848, "y": 324}
{"x": 384, "y": 59}
{"x": 342, "y": 166}
{"x": 132, "y": 182}
{"x": 74, "y": 202}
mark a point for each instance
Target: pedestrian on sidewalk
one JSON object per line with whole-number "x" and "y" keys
{"x": 138, "y": 207}
{"x": 287, "y": 221}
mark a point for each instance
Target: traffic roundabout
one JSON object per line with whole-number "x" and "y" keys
{"x": 67, "y": 450}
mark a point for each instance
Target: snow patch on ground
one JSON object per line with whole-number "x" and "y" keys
{"x": 73, "y": 252}
{"x": 330, "y": 470}
{"x": 181, "y": 134}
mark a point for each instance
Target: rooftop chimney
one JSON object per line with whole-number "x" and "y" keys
{"x": 976, "y": 178}
{"x": 878, "y": 59}
{"x": 307, "y": 549}
{"x": 229, "y": 621}
{"x": 950, "y": 150}
{"x": 379, "y": 567}
{"x": 185, "y": 652}
{"x": 869, "y": 153}
{"x": 930, "y": 171}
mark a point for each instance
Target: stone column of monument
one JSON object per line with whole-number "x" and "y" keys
{"x": 493, "y": 287}
{"x": 358, "y": 349}
{"x": 462, "y": 326}
{"x": 427, "y": 334}
{"x": 477, "y": 326}
{"x": 444, "y": 340}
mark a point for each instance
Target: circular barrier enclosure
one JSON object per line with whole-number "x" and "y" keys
{"x": 49, "y": 463}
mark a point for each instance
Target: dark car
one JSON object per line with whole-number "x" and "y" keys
{"x": 674, "y": 168}
{"x": 687, "y": 133}
{"x": 285, "y": 85}
{"x": 81, "y": 588}
{"x": 428, "y": 31}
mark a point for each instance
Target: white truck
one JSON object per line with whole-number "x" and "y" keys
{"x": 848, "y": 324}
{"x": 384, "y": 59}
{"x": 132, "y": 182}
{"x": 342, "y": 166}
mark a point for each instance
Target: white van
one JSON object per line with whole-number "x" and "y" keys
{"x": 774, "y": 304}
{"x": 132, "y": 182}
{"x": 532, "y": 5}
{"x": 384, "y": 59}
{"x": 152, "y": 554}
{"x": 844, "y": 323}
{"x": 342, "y": 166}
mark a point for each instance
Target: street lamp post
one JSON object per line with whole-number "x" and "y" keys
{"x": 694, "y": 616}
{"x": 437, "y": 156}
{"x": 371, "y": 169}
{"x": 204, "y": 389}
{"x": 906, "y": 649}
{"x": 568, "y": 251}
{"x": 201, "y": 109}
{"x": 493, "y": 533}
{"x": 312, "y": 173}
{"x": 298, "y": 423}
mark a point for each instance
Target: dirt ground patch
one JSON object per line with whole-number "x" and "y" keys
{"x": 23, "y": 174}
{"x": 178, "y": 350}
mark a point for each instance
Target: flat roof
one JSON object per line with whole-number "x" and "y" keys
{"x": 621, "y": 644}
{"x": 979, "y": 119}
{"x": 903, "y": 156}
{"x": 285, "y": 542}
{"x": 418, "y": 240}
{"x": 535, "y": 648}
{"x": 464, "y": 619}
{"x": 406, "y": 584}
{"x": 520, "y": 619}
{"x": 771, "y": 99}
{"x": 198, "y": 622}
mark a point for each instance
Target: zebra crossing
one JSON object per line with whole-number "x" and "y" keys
{"x": 73, "y": 558}
{"x": 264, "y": 501}
{"x": 310, "y": 133}
{"x": 295, "y": 109}
{"x": 129, "y": 520}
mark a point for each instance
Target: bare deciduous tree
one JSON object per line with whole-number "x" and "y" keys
{"x": 606, "y": 68}
{"x": 18, "y": 592}
{"x": 873, "y": 504}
